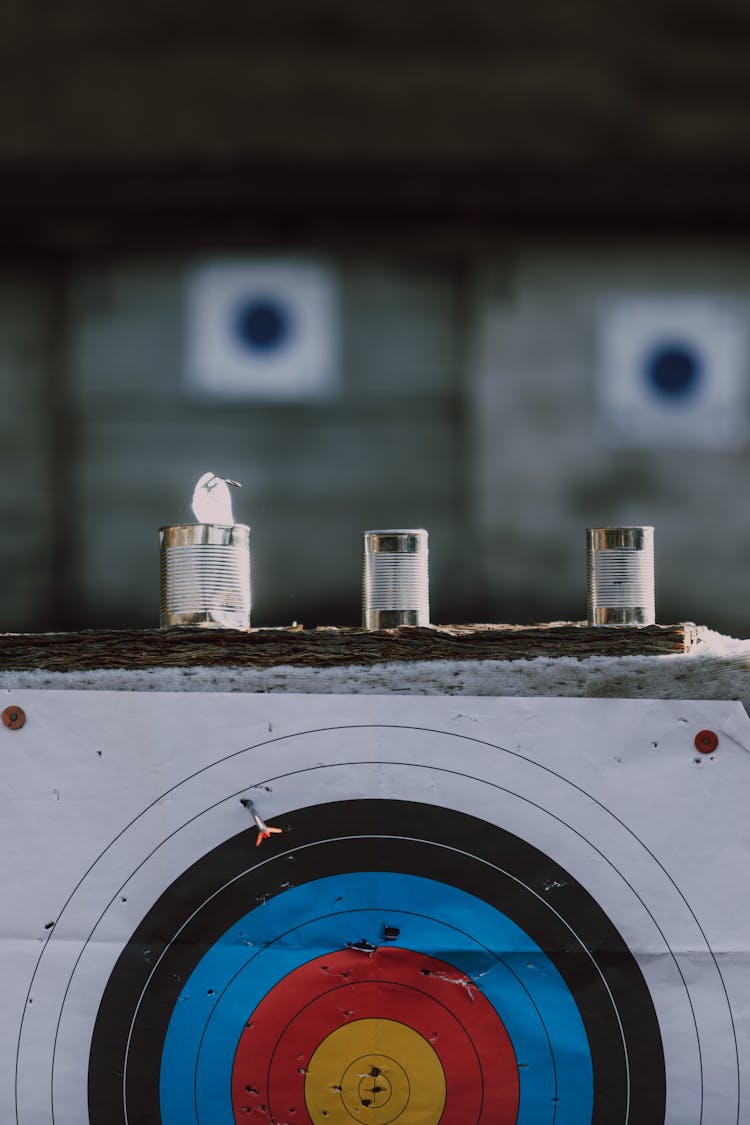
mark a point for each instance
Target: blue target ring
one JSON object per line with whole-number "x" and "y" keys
{"x": 241, "y": 968}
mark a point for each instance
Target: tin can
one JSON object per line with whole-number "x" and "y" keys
{"x": 205, "y": 575}
{"x": 620, "y": 575}
{"x": 395, "y": 578}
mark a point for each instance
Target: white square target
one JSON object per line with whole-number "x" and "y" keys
{"x": 672, "y": 370}
{"x": 262, "y": 329}
{"x": 221, "y": 908}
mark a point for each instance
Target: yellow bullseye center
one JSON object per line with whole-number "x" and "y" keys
{"x": 375, "y": 1088}
{"x": 375, "y": 1071}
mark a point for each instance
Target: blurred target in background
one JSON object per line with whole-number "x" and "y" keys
{"x": 672, "y": 370}
{"x": 265, "y": 330}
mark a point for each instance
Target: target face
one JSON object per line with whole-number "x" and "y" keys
{"x": 459, "y": 924}
{"x": 262, "y": 329}
{"x": 672, "y": 371}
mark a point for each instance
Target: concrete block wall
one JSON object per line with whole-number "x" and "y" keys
{"x": 541, "y": 467}
{"x": 467, "y": 406}
{"x": 31, "y": 510}
{"x": 385, "y": 452}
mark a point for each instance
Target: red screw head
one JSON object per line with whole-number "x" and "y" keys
{"x": 14, "y": 717}
{"x": 706, "y": 741}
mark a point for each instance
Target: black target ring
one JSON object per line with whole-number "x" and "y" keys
{"x": 589, "y": 953}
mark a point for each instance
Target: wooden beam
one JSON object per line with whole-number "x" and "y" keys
{"x": 331, "y": 647}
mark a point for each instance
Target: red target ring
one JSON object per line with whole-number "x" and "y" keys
{"x": 432, "y": 998}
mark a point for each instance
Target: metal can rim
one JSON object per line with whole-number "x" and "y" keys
{"x": 174, "y": 526}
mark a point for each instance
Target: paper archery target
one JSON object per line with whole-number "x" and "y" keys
{"x": 448, "y": 932}
{"x": 236, "y": 1002}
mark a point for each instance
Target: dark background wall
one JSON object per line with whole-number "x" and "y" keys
{"x": 442, "y": 81}
{"x": 471, "y": 113}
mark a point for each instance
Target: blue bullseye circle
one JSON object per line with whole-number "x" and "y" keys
{"x": 262, "y": 324}
{"x": 674, "y": 371}
{"x": 277, "y": 937}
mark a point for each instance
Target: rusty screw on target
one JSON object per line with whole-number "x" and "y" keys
{"x": 706, "y": 741}
{"x": 14, "y": 717}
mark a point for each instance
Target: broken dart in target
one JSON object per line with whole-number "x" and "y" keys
{"x": 263, "y": 829}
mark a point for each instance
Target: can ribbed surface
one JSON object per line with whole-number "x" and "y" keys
{"x": 395, "y": 579}
{"x": 620, "y": 572}
{"x": 205, "y": 575}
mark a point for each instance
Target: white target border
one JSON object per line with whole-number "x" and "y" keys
{"x": 584, "y": 781}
